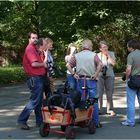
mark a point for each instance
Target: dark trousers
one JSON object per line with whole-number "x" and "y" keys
{"x": 36, "y": 86}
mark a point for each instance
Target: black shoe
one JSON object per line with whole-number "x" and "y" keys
{"x": 23, "y": 126}
{"x": 99, "y": 125}
{"x": 100, "y": 112}
{"x": 38, "y": 125}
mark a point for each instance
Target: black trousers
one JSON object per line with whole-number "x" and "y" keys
{"x": 47, "y": 88}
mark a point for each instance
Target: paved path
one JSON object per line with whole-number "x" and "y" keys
{"x": 13, "y": 99}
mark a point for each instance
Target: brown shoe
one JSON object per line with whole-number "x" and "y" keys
{"x": 23, "y": 126}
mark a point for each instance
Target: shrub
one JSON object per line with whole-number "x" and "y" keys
{"x": 11, "y": 74}
{"x": 15, "y": 74}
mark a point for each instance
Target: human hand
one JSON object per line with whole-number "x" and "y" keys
{"x": 76, "y": 76}
{"x": 94, "y": 77}
{"x": 106, "y": 53}
{"x": 45, "y": 53}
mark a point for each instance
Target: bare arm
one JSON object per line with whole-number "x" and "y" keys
{"x": 110, "y": 59}
{"x": 128, "y": 71}
{"x": 38, "y": 64}
{"x": 99, "y": 67}
{"x": 69, "y": 68}
{"x": 71, "y": 71}
{"x": 46, "y": 56}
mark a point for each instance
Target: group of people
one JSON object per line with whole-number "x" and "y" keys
{"x": 89, "y": 67}
{"x": 95, "y": 70}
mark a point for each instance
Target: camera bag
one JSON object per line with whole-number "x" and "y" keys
{"x": 134, "y": 82}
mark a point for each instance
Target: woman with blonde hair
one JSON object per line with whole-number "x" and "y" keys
{"x": 71, "y": 50}
{"x": 49, "y": 84}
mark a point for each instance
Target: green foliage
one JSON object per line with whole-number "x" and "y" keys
{"x": 70, "y": 21}
{"x": 14, "y": 74}
{"x": 11, "y": 74}
{"x": 60, "y": 69}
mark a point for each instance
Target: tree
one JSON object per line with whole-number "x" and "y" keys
{"x": 70, "y": 21}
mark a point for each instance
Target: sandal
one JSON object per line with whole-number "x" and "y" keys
{"x": 111, "y": 113}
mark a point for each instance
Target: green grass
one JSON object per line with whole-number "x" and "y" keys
{"x": 11, "y": 74}
{"x": 14, "y": 74}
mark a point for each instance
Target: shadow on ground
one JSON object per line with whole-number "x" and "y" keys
{"x": 13, "y": 99}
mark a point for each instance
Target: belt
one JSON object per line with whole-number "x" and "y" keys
{"x": 35, "y": 76}
{"x": 84, "y": 76}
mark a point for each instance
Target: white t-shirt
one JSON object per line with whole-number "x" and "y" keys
{"x": 67, "y": 59}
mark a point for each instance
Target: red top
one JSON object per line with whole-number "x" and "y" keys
{"x": 31, "y": 55}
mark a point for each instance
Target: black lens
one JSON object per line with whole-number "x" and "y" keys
{"x": 104, "y": 70}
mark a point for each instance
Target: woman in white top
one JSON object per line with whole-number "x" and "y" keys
{"x": 71, "y": 50}
{"x": 106, "y": 77}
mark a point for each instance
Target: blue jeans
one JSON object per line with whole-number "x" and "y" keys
{"x": 91, "y": 92}
{"x": 36, "y": 86}
{"x": 131, "y": 94}
{"x": 71, "y": 81}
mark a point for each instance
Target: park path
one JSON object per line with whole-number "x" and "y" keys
{"x": 14, "y": 97}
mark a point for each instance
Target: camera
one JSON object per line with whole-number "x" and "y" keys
{"x": 104, "y": 69}
{"x": 124, "y": 77}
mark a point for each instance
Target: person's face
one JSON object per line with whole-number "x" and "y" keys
{"x": 103, "y": 48}
{"x": 33, "y": 37}
{"x": 50, "y": 46}
{"x": 43, "y": 47}
{"x": 129, "y": 49}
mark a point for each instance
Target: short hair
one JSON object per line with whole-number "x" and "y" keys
{"x": 29, "y": 34}
{"x": 87, "y": 43}
{"x": 103, "y": 42}
{"x": 38, "y": 42}
{"x": 133, "y": 44}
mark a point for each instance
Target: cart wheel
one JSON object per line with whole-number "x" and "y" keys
{"x": 44, "y": 129}
{"x": 82, "y": 124}
{"x": 63, "y": 128}
{"x": 69, "y": 133}
{"x": 91, "y": 127}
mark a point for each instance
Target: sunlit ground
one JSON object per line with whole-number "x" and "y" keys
{"x": 13, "y": 99}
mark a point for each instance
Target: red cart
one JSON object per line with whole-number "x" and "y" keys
{"x": 61, "y": 117}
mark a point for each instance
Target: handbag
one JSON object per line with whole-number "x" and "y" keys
{"x": 134, "y": 82}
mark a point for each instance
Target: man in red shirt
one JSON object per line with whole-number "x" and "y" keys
{"x": 34, "y": 68}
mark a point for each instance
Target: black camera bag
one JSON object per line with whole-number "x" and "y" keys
{"x": 134, "y": 82}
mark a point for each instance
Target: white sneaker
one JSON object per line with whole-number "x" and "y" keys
{"x": 125, "y": 123}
